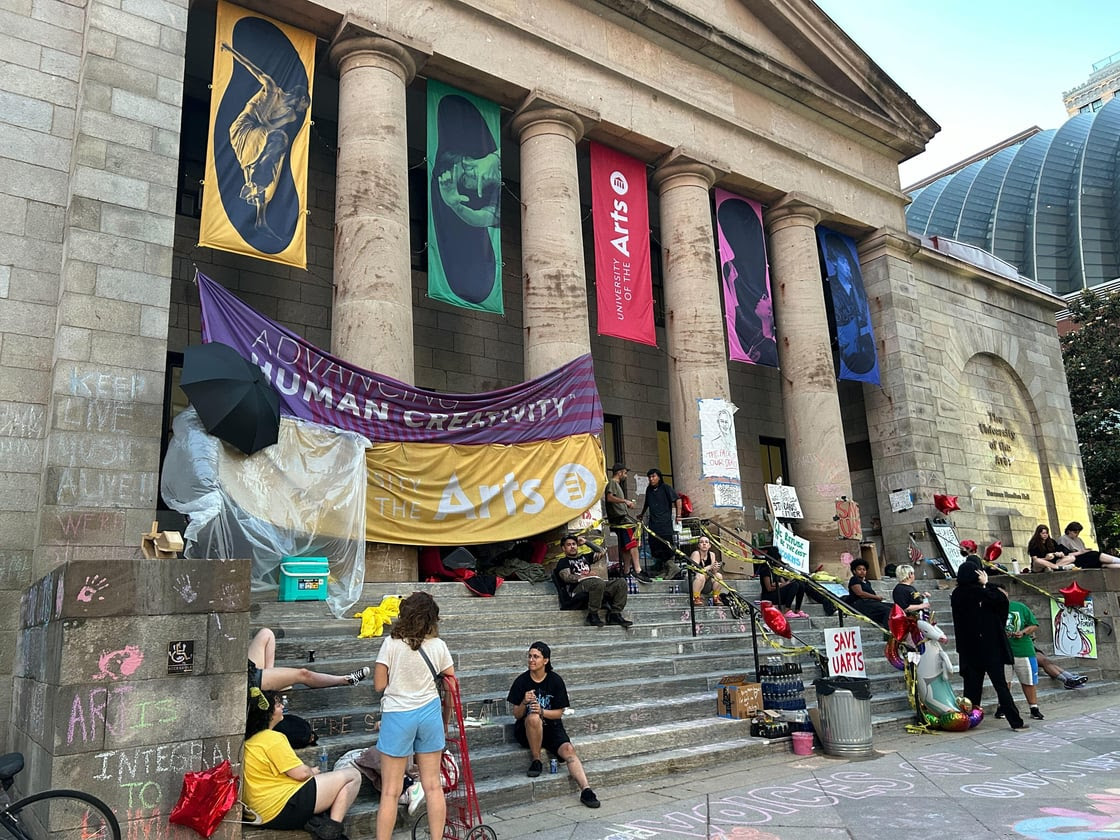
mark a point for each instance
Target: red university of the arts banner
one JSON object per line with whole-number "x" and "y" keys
{"x": 620, "y": 215}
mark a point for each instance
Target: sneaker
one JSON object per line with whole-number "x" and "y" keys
{"x": 644, "y": 578}
{"x": 415, "y": 797}
{"x": 594, "y": 619}
{"x": 1073, "y": 682}
{"x": 1036, "y": 713}
{"x": 1080, "y": 680}
{"x": 405, "y": 796}
{"x": 999, "y": 714}
{"x": 357, "y": 676}
{"x": 1020, "y": 727}
{"x": 617, "y": 618}
{"x": 535, "y": 768}
{"x": 588, "y": 798}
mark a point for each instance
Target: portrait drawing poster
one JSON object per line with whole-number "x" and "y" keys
{"x": 745, "y": 276}
{"x": 464, "y": 199}
{"x": 255, "y": 197}
{"x": 719, "y": 453}
{"x": 851, "y": 314}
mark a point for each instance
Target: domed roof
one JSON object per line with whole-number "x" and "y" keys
{"x": 1050, "y": 205}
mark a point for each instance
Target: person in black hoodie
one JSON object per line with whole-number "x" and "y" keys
{"x": 979, "y": 619}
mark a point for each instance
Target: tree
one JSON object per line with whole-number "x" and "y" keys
{"x": 1092, "y": 362}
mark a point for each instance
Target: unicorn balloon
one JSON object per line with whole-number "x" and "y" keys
{"x": 933, "y": 698}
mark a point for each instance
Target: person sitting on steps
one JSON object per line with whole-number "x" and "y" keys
{"x": 704, "y": 558}
{"x": 576, "y": 575}
{"x": 264, "y": 674}
{"x": 539, "y": 697}
{"x": 283, "y": 791}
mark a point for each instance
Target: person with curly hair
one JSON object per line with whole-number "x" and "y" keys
{"x": 283, "y": 791}
{"x": 412, "y": 720}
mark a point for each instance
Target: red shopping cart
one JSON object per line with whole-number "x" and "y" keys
{"x": 464, "y": 817}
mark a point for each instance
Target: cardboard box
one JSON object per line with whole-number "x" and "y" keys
{"x": 738, "y": 698}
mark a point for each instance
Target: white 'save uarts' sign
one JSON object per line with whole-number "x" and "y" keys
{"x": 844, "y": 649}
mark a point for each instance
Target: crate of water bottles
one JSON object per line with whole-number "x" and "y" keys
{"x": 782, "y": 686}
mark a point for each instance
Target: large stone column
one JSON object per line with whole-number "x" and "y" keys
{"x": 818, "y": 461}
{"x": 554, "y": 281}
{"x": 694, "y": 341}
{"x": 902, "y": 415}
{"x": 372, "y": 313}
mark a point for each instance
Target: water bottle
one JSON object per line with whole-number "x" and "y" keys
{"x": 631, "y": 585}
{"x": 553, "y": 766}
{"x": 323, "y": 759}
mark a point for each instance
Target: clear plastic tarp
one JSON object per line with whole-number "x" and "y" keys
{"x": 305, "y": 496}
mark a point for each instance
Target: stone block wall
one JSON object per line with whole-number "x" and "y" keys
{"x": 88, "y": 147}
{"x": 104, "y": 698}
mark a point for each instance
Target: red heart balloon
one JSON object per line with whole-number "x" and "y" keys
{"x": 945, "y": 504}
{"x": 993, "y": 551}
{"x": 774, "y": 619}
{"x": 1075, "y": 596}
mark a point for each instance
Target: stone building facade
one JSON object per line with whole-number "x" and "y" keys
{"x": 105, "y": 111}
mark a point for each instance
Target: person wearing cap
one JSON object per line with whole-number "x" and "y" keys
{"x": 577, "y": 576}
{"x": 664, "y": 508}
{"x": 979, "y": 623}
{"x": 539, "y": 698}
{"x": 622, "y": 522}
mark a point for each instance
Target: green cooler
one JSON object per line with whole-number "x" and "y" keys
{"x": 303, "y": 579}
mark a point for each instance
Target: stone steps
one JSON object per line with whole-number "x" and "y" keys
{"x": 643, "y": 697}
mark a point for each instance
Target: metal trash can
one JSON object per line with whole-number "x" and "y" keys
{"x": 844, "y": 704}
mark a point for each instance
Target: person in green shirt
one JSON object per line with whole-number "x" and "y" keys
{"x": 1021, "y": 627}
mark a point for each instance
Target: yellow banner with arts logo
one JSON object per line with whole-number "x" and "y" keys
{"x": 436, "y": 494}
{"x": 255, "y": 196}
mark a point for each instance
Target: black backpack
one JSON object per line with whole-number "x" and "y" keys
{"x": 298, "y": 731}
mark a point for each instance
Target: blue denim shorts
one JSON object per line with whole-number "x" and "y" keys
{"x": 416, "y": 731}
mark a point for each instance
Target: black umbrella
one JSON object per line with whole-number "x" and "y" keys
{"x": 233, "y": 398}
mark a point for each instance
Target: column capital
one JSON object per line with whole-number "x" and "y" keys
{"x": 680, "y": 167}
{"x": 888, "y": 242}
{"x": 358, "y": 43}
{"x": 793, "y": 209}
{"x": 545, "y": 113}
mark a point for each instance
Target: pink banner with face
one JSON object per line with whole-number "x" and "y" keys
{"x": 747, "y": 305}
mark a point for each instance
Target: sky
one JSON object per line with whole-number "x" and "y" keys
{"x": 983, "y": 69}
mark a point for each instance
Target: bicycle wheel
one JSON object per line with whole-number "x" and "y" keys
{"x": 482, "y": 832}
{"x": 62, "y": 815}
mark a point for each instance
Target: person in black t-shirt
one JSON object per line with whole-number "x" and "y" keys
{"x": 905, "y": 595}
{"x": 539, "y": 697}
{"x": 864, "y": 598}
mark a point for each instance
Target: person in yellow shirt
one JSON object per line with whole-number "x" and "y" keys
{"x": 283, "y": 791}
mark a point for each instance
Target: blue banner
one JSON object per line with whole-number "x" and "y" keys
{"x": 851, "y": 314}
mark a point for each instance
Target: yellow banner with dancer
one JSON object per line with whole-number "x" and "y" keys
{"x": 255, "y": 196}
{"x": 440, "y": 494}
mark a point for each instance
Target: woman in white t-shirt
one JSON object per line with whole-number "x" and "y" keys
{"x": 411, "y": 712}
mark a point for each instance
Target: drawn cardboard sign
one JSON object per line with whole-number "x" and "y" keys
{"x": 847, "y": 520}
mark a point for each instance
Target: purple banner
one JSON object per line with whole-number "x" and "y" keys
{"x": 317, "y": 386}
{"x": 747, "y": 306}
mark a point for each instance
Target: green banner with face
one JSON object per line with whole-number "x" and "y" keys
{"x": 464, "y": 200}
